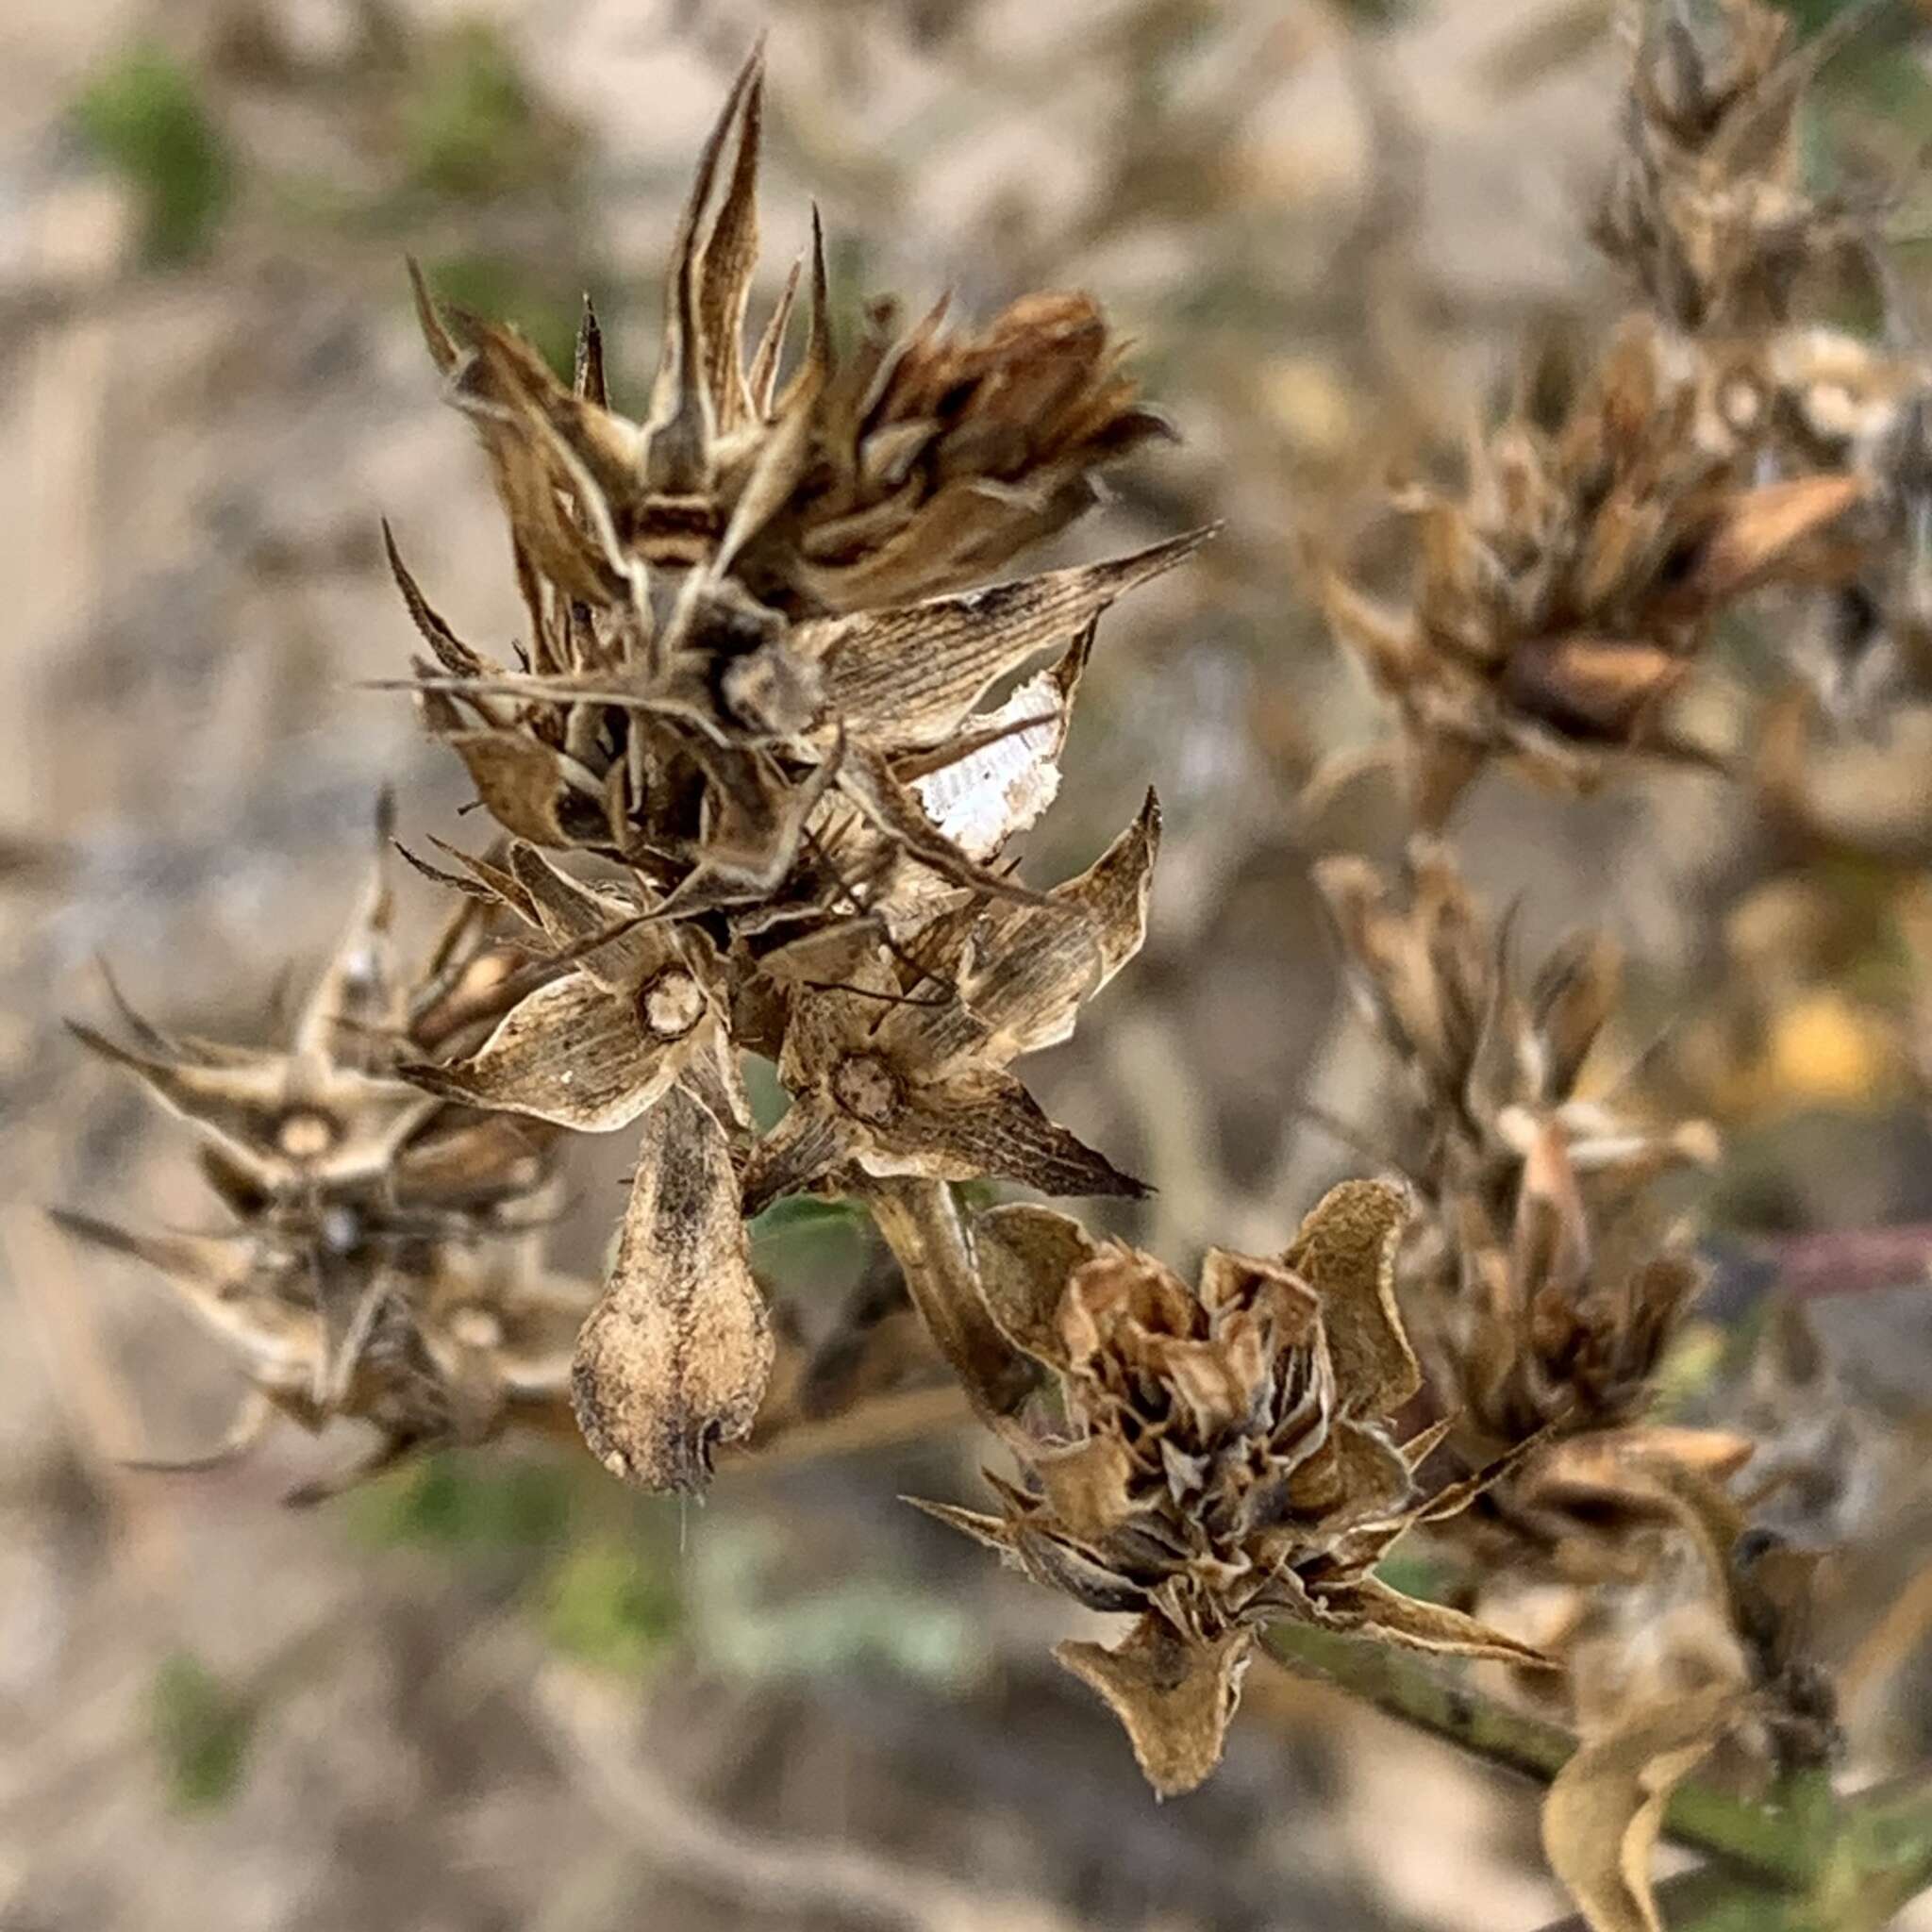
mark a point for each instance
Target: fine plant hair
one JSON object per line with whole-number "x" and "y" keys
{"x": 748, "y": 791}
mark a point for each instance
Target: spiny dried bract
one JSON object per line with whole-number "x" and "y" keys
{"x": 783, "y": 774}
{"x": 632, "y": 1005}
{"x": 382, "y": 1264}
{"x": 753, "y": 688}
{"x": 1562, "y": 602}
{"x": 1708, "y": 209}
{"x": 1224, "y": 1457}
{"x": 923, "y": 461}
{"x": 893, "y": 1073}
{"x": 1540, "y": 1289}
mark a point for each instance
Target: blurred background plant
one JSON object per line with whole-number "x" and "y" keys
{"x": 500, "y": 1690}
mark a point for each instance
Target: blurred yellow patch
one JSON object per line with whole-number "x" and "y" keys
{"x": 1824, "y": 1049}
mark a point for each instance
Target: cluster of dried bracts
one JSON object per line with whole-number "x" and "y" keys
{"x": 757, "y": 800}
{"x": 382, "y": 1257}
{"x": 1563, "y": 601}
{"x": 1543, "y": 1290}
{"x": 1219, "y": 1459}
{"x": 752, "y": 796}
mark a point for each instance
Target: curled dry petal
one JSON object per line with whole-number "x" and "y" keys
{"x": 1604, "y": 1809}
{"x": 1026, "y": 1257}
{"x": 1346, "y": 1251}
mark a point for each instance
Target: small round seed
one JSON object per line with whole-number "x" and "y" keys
{"x": 671, "y": 1004}
{"x": 305, "y": 1134}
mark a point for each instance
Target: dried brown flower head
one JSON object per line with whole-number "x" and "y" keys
{"x": 1225, "y": 1458}
{"x": 1540, "y": 1293}
{"x": 1563, "y": 600}
{"x": 923, "y": 462}
{"x": 1708, "y": 209}
{"x": 754, "y": 694}
{"x": 381, "y": 1264}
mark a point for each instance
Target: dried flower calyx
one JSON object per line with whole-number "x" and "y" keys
{"x": 1562, "y": 600}
{"x": 1708, "y": 208}
{"x": 381, "y": 1264}
{"x": 892, "y": 1078}
{"x": 1541, "y": 1289}
{"x": 1226, "y": 1456}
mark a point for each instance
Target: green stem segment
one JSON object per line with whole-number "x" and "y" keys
{"x": 921, "y": 1224}
{"x": 1786, "y": 1841}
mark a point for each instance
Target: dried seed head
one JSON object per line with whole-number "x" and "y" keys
{"x": 1560, "y": 603}
{"x": 1540, "y": 1290}
{"x": 1226, "y": 1456}
{"x": 1706, "y": 208}
{"x": 373, "y": 1270}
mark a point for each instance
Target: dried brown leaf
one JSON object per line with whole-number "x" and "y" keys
{"x": 1605, "y": 1808}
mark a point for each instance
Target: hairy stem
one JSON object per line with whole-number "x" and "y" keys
{"x": 921, "y": 1223}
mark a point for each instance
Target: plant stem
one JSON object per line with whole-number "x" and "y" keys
{"x": 1785, "y": 1841}
{"x": 921, "y": 1223}
{"x": 896, "y": 1415}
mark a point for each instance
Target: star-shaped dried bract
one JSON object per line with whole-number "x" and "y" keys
{"x": 1223, "y": 1458}
{"x": 772, "y": 769}
{"x": 633, "y": 1003}
{"x": 380, "y": 1264}
{"x": 889, "y": 1079}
